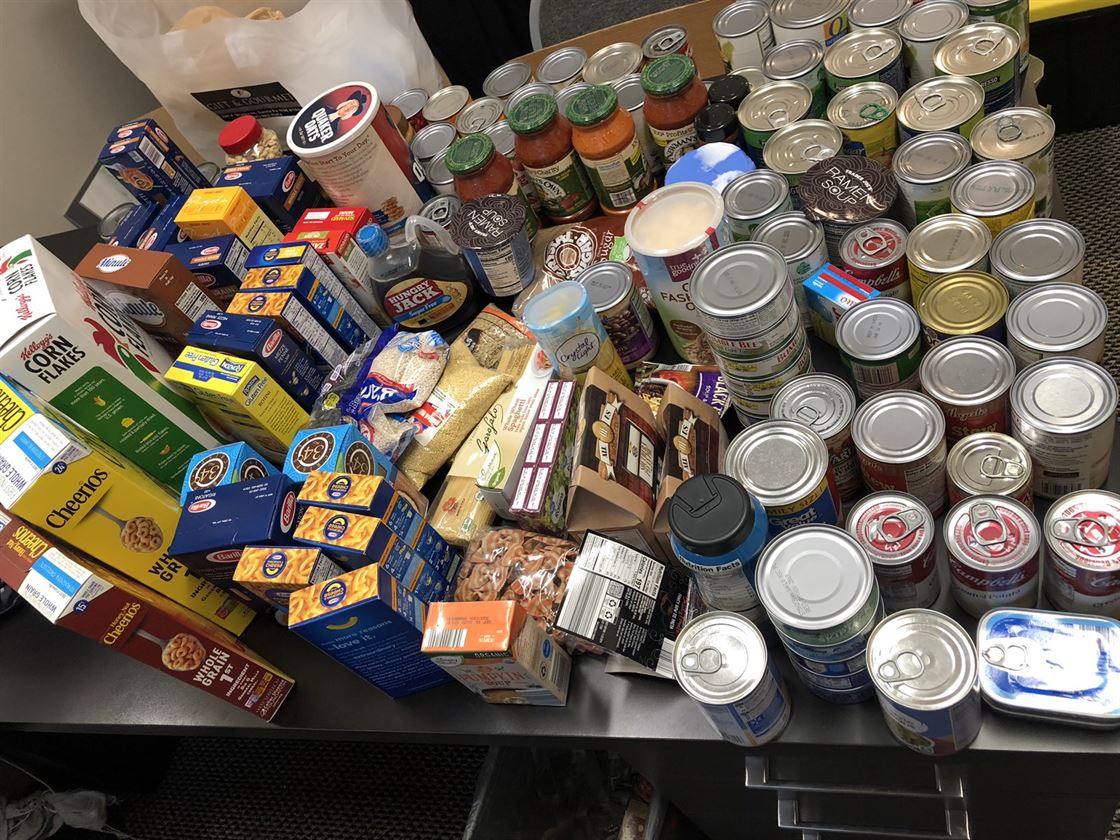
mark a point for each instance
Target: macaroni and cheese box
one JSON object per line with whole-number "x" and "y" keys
{"x": 227, "y": 464}
{"x": 148, "y": 163}
{"x": 69, "y": 345}
{"x": 61, "y": 479}
{"x": 74, "y": 592}
{"x": 278, "y": 186}
{"x": 217, "y": 263}
{"x": 297, "y": 320}
{"x": 263, "y": 341}
{"x": 357, "y": 540}
{"x": 138, "y": 220}
{"x": 273, "y": 573}
{"x": 829, "y": 293}
{"x": 243, "y": 396}
{"x": 497, "y": 651}
{"x": 152, "y": 287}
{"x": 320, "y": 298}
{"x": 332, "y": 232}
{"x": 218, "y": 211}
{"x": 372, "y": 624}
{"x": 162, "y": 231}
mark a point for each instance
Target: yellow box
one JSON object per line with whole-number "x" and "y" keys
{"x": 243, "y": 396}
{"x": 218, "y": 211}
{"x": 274, "y": 573}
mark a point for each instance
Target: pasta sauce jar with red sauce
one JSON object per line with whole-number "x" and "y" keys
{"x": 674, "y": 96}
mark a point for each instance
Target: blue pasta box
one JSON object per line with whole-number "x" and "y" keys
{"x": 221, "y": 465}
{"x": 162, "y": 231}
{"x": 218, "y": 263}
{"x": 278, "y": 186}
{"x": 138, "y": 220}
{"x": 829, "y": 293}
{"x": 264, "y": 341}
{"x": 216, "y": 525}
{"x": 369, "y": 622}
{"x": 148, "y": 163}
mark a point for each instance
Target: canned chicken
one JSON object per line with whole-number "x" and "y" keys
{"x": 1025, "y": 135}
{"x": 1038, "y": 252}
{"x": 1083, "y": 542}
{"x": 897, "y": 532}
{"x": 1056, "y": 320}
{"x": 876, "y": 254}
{"x": 822, "y": 21}
{"x": 877, "y": 14}
{"x": 611, "y": 63}
{"x": 880, "y": 345}
{"x": 989, "y": 464}
{"x": 801, "y": 242}
{"x": 794, "y": 149}
{"x": 942, "y": 103}
{"x": 987, "y": 53}
{"x": 970, "y": 378}
{"x": 922, "y": 29}
{"x": 865, "y": 55}
{"x": 610, "y": 288}
{"x": 562, "y": 68}
{"x": 945, "y": 245}
{"x": 504, "y": 80}
{"x": 993, "y": 545}
{"x": 925, "y": 167}
{"x": 743, "y": 33}
{"x": 997, "y": 192}
{"x": 865, "y": 114}
{"x": 752, "y": 198}
{"x": 666, "y": 41}
{"x": 768, "y": 108}
{"x": 843, "y": 193}
{"x": 826, "y": 404}
{"x": 741, "y": 290}
{"x": 800, "y": 61}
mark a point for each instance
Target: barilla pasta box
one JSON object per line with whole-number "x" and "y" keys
{"x": 273, "y": 573}
{"x": 498, "y": 651}
{"x": 829, "y": 293}
{"x": 162, "y": 231}
{"x": 153, "y": 288}
{"x": 243, "y": 396}
{"x": 138, "y": 220}
{"x": 217, "y": 524}
{"x": 74, "y": 592}
{"x": 297, "y": 320}
{"x": 372, "y": 624}
{"x": 278, "y": 186}
{"x": 217, "y": 263}
{"x": 227, "y": 464}
{"x": 148, "y": 163}
{"x": 217, "y": 211}
{"x": 61, "y": 479}
{"x": 357, "y": 540}
{"x": 73, "y": 348}
{"x": 332, "y": 232}
{"x": 317, "y": 296}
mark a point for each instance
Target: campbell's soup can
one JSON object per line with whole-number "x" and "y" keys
{"x": 989, "y": 464}
{"x": 1083, "y": 553}
{"x": 876, "y": 254}
{"x": 897, "y": 532}
{"x": 993, "y": 545}
{"x": 970, "y": 378}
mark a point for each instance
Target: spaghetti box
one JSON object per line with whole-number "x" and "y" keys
{"x": 217, "y": 524}
{"x": 317, "y": 296}
{"x": 498, "y": 651}
{"x": 829, "y": 293}
{"x": 264, "y": 341}
{"x": 162, "y": 230}
{"x": 278, "y": 186}
{"x": 273, "y": 573}
{"x": 298, "y": 321}
{"x": 148, "y": 163}
{"x": 152, "y": 287}
{"x": 138, "y": 220}
{"x": 74, "y": 592}
{"x": 540, "y": 499}
{"x": 369, "y": 622}
{"x": 227, "y": 464}
{"x": 218, "y": 263}
{"x": 218, "y": 211}
{"x": 357, "y": 540}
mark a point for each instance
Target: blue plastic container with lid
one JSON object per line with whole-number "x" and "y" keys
{"x": 714, "y": 164}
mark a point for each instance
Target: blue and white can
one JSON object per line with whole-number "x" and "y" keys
{"x": 856, "y": 664}
{"x": 840, "y": 652}
{"x": 842, "y": 697}
{"x": 831, "y": 682}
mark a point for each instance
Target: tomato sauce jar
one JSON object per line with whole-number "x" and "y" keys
{"x": 605, "y": 139}
{"x": 479, "y": 170}
{"x": 674, "y": 96}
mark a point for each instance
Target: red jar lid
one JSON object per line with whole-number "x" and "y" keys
{"x": 240, "y": 135}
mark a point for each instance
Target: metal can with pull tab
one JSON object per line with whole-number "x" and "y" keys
{"x": 876, "y": 254}
{"x": 989, "y": 464}
{"x": 826, "y": 404}
{"x": 897, "y": 532}
{"x": 1083, "y": 553}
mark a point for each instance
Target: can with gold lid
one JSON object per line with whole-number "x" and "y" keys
{"x": 965, "y": 303}
{"x": 989, "y": 464}
{"x": 942, "y": 245}
{"x": 997, "y": 192}
{"x": 865, "y": 113}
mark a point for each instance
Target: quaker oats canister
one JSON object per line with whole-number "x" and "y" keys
{"x": 897, "y": 532}
{"x": 875, "y": 253}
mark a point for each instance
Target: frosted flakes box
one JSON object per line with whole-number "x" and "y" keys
{"x": 217, "y": 263}
{"x": 273, "y": 573}
{"x": 222, "y": 465}
{"x": 278, "y": 185}
{"x": 322, "y": 299}
{"x": 372, "y": 624}
{"x": 70, "y": 346}
{"x": 148, "y": 163}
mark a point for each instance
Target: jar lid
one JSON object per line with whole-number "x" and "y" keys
{"x": 240, "y": 135}
{"x": 469, "y": 154}
{"x": 592, "y": 105}
{"x": 532, "y": 114}
{"x": 715, "y": 121}
{"x": 728, "y": 90}
{"x": 668, "y": 74}
{"x": 711, "y": 514}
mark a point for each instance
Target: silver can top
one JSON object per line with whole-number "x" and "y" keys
{"x": 877, "y": 244}
{"x": 793, "y": 149}
{"x": 802, "y": 14}
{"x": 793, "y": 234}
{"x": 755, "y": 195}
{"x": 892, "y": 527}
{"x": 967, "y": 370}
{"x": 862, "y": 52}
{"x": 778, "y": 461}
{"x": 738, "y": 280}
{"x": 562, "y": 66}
{"x": 976, "y": 49}
{"x": 754, "y": 76}
{"x": 411, "y": 102}
{"x": 942, "y": 103}
{"x": 1037, "y": 250}
{"x": 502, "y": 136}
{"x": 922, "y": 660}
{"x": 437, "y": 171}
{"x": 441, "y": 209}
{"x": 773, "y": 105}
{"x": 479, "y": 115}
{"x": 445, "y": 103}
{"x": 607, "y": 284}
{"x": 878, "y": 329}
{"x": 792, "y": 59}
{"x": 824, "y": 403}
{"x": 664, "y": 41}
{"x": 1081, "y": 528}
{"x": 897, "y": 427}
{"x": 631, "y": 97}
{"x": 989, "y": 463}
{"x": 531, "y": 89}
{"x": 740, "y": 19}
{"x": 433, "y": 139}
{"x": 1064, "y": 396}
{"x": 992, "y": 188}
{"x": 507, "y": 78}
{"x": 612, "y": 63}
{"x": 947, "y": 243}
{"x": 862, "y": 105}
{"x": 1012, "y": 134}
{"x": 719, "y": 657}
{"x": 933, "y": 20}
{"x": 815, "y": 577}
{"x": 991, "y": 533}
{"x": 869, "y": 14}
{"x": 931, "y": 158}
{"x": 566, "y": 95}
{"x": 1057, "y": 318}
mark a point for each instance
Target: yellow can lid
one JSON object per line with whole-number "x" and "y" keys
{"x": 963, "y": 303}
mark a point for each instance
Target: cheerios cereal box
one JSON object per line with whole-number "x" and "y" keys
{"x": 372, "y": 624}
{"x": 61, "y": 479}
{"x": 227, "y": 464}
{"x": 273, "y": 573}
{"x": 74, "y": 592}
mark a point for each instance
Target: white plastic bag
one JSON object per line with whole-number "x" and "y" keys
{"x": 263, "y": 67}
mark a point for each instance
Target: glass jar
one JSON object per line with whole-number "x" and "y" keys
{"x": 605, "y": 139}
{"x": 543, "y": 144}
{"x": 479, "y": 170}
{"x": 674, "y": 96}
{"x": 245, "y": 140}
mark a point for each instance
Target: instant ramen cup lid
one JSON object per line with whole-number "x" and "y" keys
{"x": 240, "y": 135}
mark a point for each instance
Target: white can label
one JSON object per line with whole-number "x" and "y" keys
{"x": 755, "y": 719}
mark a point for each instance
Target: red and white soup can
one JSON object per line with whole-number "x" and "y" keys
{"x": 897, "y": 532}
{"x": 1083, "y": 553}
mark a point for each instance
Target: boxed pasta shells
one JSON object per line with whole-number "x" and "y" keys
{"x": 540, "y": 502}
{"x": 273, "y": 573}
{"x": 148, "y": 163}
{"x": 227, "y": 464}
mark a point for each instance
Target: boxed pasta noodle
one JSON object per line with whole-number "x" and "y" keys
{"x": 217, "y": 263}
{"x": 71, "y": 347}
{"x": 148, "y": 163}
{"x": 217, "y": 211}
{"x": 540, "y": 501}
{"x": 333, "y": 232}
{"x": 61, "y": 479}
{"x": 72, "y": 591}
{"x": 278, "y": 185}
{"x": 273, "y": 573}
{"x": 138, "y": 220}
{"x": 162, "y": 230}
{"x": 829, "y": 293}
{"x": 227, "y": 464}
{"x": 292, "y": 313}
{"x": 372, "y": 624}
{"x": 324, "y": 300}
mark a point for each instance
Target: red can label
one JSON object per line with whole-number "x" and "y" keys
{"x": 898, "y": 539}
{"x": 962, "y": 420}
{"x": 1084, "y": 570}
{"x": 993, "y": 556}
{"x": 876, "y": 254}
{"x": 923, "y": 479}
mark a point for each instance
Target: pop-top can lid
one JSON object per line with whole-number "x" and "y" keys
{"x": 1083, "y": 529}
{"x": 948, "y": 243}
{"x": 711, "y": 514}
{"x": 504, "y": 80}
{"x": 877, "y": 329}
{"x": 991, "y": 533}
{"x": 773, "y": 105}
{"x": 893, "y": 527}
{"x": 1012, "y": 134}
{"x": 663, "y": 41}
{"x": 989, "y": 463}
{"x": 922, "y": 660}
{"x": 975, "y": 49}
{"x": 433, "y": 139}
{"x": 794, "y": 149}
{"x": 779, "y": 462}
{"x": 931, "y": 158}
{"x": 1064, "y": 395}
{"x": 792, "y": 234}
{"x": 446, "y": 102}
{"x": 562, "y": 66}
{"x": 932, "y": 20}
{"x": 815, "y": 577}
{"x": 411, "y": 102}
{"x": 792, "y": 59}
{"x": 824, "y": 403}
{"x": 942, "y": 103}
{"x": 1057, "y": 317}
{"x": 754, "y": 195}
{"x": 862, "y": 52}
{"x": 739, "y": 279}
{"x": 862, "y": 105}
{"x": 441, "y": 209}
{"x": 502, "y": 136}
{"x": 1037, "y": 250}
{"x": 479, "y": 115}
{"x": 992, "y": 188}
{"x": 607, "y": 284}
{"x": 740, "y": 18}
{"x": 875, "y": 245}
{"x": 719, "y": 657}
{"x": 898, "y": 427}
{"x": 612, "y": 62}
{"x": 802, "y": 14}
{"x": 867, "y": 14}
{"x": 349, "y": 107}
{"x": 847, "y": 189}
{"x": 963, "y": 303}
{"x": 967, "y": 370}
{"x": 630, "y": 94}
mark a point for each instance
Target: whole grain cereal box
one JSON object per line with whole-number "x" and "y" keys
{"x": 273, "y": 572}
{"x": 227, "y": 464}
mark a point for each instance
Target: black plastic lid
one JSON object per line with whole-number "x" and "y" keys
{"x": 729, "y": 89}
{"x": 717, "y": 124}
{"x": 711, "y": 514}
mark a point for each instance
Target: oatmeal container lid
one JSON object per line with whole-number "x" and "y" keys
{"x": 967, "y": 370}
{"x": 773, "y": 105}
{"x": 607, "y": 284}
{"x": 876, "y": 244}
{"x": 1081, "y": 528}
{"x": 886, "y": 537}
{"x": 778, "y": 461}
{"x": 815, "y": 577}
{"x": 436, "y": 170}
{"x": 612, "y": 62}
{"x": 755, "y": 194}
{"x": 824, "y": 403}
{"x": 562, "y": 66}
{"x": 1012, "y": 134}
{"x": 488, "y": 222}
{"x": 862, "y": 52}
{"x": 479, "y": 115}
{"x": 802, "y": 14}
{"x": 975, "y": 49}
{"x": 862, "y": 105}
{"x": 933, "y": 20}
{"x": 868, "y": 14}
{"x": 795, "y": 148}
{"x": 433, "y": 139}
{"x": 922, "y": 659}
{"x": 991, "y": 532}
{"x": 947, "y": 243}
{"x": 504, "y": 80}
{"x": 663, "y": 41}
{"x": 1057, "y": 317}
{"x": 531, "y": 89}
{"x": 1064, "y": 395}
{"x": 963, "y": 303}
{"x": 719, "y": 657}
{"x": 411, "y": 102}
{"x": 699, "y": 204}
{"x": 878, "y": 329}
{"x": 308, "y": 142}
{"x": 931, "y": 158}
{"x": 740, "y": 19}
{"x": 865, "y": 190}
{"x": 1037, "y": 250}
{"x": 940, "y": 103}
{"x": 631, "y": 97}
{"x": 794, "y": 235}
{"x": 446, "y": 102}
{"x": 992, "y": 188}
{"x": 898, "y": 427}
{"x": 792, "y": 59}
{"x": 989, "y": 463}
{"x": 738, "y": 280}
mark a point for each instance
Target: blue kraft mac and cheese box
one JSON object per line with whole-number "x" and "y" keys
{"x": 137, "y": 221}
{"x": 222, "y": 465}
{"x": 369, "y": 622}
{"x": 218, "y": 263}
{"x": 336, "y": 313}
{"x": 148, "y": 163}
{"x": 264, "y": 341}
{"x": 278, "y": 186}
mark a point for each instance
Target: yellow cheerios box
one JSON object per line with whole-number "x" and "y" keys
{"x": 275, "y": 572}
{"x": 218, "y": 211}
